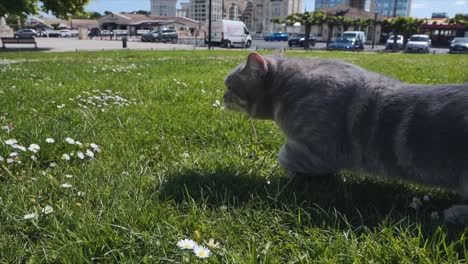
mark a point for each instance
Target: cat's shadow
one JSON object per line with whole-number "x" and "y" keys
{"x": 359, "y": 200}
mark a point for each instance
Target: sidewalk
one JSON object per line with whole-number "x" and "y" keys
{"x": 74, "y": 44}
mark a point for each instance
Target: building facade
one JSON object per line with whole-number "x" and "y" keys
{"x": 163, "y": 7}
{"x": 387, "y": 7}
{"x": 359, "y": 4}
{"x": 199, "y": 10}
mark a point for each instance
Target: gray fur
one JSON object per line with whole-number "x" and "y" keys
{"x": 336, "y": 115}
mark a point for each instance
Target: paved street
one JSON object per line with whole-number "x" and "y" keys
{"x": 74, "y": 44}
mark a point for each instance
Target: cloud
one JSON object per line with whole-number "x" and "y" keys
{"x": 420, "y": 5}
{"x": 460, "y": 2}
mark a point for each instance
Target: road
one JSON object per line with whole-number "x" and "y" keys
{"x": 74, "y": 44}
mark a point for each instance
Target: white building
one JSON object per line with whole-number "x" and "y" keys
{"x": 199, "y": 10}
{"x": 163, "y": 7}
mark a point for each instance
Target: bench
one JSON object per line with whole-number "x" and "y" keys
{"x": 18, "y": 41}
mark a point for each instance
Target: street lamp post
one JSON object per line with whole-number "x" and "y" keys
{"x": 375, "y": 27}
{"x": 209, "y": 24}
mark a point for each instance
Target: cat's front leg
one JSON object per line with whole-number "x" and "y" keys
{"x": 298, "y": 160}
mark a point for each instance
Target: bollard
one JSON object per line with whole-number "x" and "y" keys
{"x": 124, "y": 42}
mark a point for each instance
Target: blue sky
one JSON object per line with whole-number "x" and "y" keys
{"x": 420, "y": 8}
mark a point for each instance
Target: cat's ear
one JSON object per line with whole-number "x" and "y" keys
{"x": 256, "y": 62}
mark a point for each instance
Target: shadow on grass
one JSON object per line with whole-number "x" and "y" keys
{"x": 362, "y": 200}
{"x": 20, "y": 49}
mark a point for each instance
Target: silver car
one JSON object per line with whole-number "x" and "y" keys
{"x": 418, "y": 43}
{"x": 25, "y": 33}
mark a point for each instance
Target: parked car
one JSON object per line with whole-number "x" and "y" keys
{"x": 399, "y": 42}
{"x": 229, "y": 33}
{"x": 459, "y": 45}
{"x": 160, "y": 35}
{"x": 343, "y": 43}
{"x": 418, "y": 43}
{"x": 298, "y": 40}
{"x": 65, "y": 33}
{"x": 25, "y": 33}
{"x": 276, "y": 36}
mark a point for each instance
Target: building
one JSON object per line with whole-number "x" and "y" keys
{"x": 184, "y": 10}
{"x": 56, "y": 23}
{"x": 366, "y": 5}
{"x": 133, "y": 23}
{"x": 199, "y": 10}
{"x": 387, "y": 7}
{"x": 163, "y": 7}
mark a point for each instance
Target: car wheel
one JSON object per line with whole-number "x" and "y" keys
{"x": 247, "y": 45}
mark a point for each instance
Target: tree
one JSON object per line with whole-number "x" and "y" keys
{"x": 405, "y": 26}
{"x": 308, "y": 19}
{"x": 459, "y": 19}
{"x": 60, "y": 8}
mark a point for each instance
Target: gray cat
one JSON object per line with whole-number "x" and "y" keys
{"x": 336, "y": 115}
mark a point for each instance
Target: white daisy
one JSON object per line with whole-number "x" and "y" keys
{"x": 17, "y": 146}
{"x": 34, "y": 148}
{"x": 185, "y": 155}
{"x": 10, "y": 160}
{"x": 66, "y": 157}
{"x": 95, "y": 147}
{"x": 1, "y": 159}
{"x": 53, "y": 165}
{"x": 212, "y": 243}
{"x": 30, "y": 216}
{"x": 69, "y": 176}
{"x": 80, "y": 154}
{"x": 60, "y": 106}
{"x": 47, "y": 209}
{"x": 186, "y": 244}
{"x": 70, "y": 140}
{"x": 202, "y": 252}
{"x": 89, "y": 153}
{"x": 50, "y": 140}
{"x": 11, "y": 141}
{"x": 13, "y": 154}
{"x": 66, "y": 186}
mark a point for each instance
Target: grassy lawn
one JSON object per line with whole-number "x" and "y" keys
{"x": 159, "y": 160}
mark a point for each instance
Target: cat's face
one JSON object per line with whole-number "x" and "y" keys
{"x": 245, "y": 85}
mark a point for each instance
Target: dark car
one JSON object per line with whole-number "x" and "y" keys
{"x": 298, "y": 40}
{"x": 160, "y": 35}
{"x": 343, "y": 43}
{"x": 459, "y": 45}
{"x": 277, "y": 36}
{"x": 25, "y": 33}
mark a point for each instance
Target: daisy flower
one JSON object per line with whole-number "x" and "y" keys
{"x": 11, "y": 142}
{"x": 187, "y": 244}
{"x": 50, "y": 140}
{"x": 66, "y": 157}
{"x": 212, "y": 243}
{"x": 34, "y": 148}
{"x": 95, "y": 147}
{"x": 185, "y": 155}
{"x": 70, "y": 140}
{"x": 80, "y": 154}
{"x": 66, "y": 185}
{"x": 1, "y": 158}
{"x": 89, "y": 153}
{"x": 202, "y": 252}
{"x": 30, "y": 216}
{"x": 17, "y": 146}
{"x": 47, "y": 209}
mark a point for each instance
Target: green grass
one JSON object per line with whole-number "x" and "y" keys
{"x": 174, "y": 166}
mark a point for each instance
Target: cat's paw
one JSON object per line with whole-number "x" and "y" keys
{"x": 457, "y": 214}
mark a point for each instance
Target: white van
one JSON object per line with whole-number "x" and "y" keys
{"x": 229, "y": 33}
{"x": 358, "y": 38}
